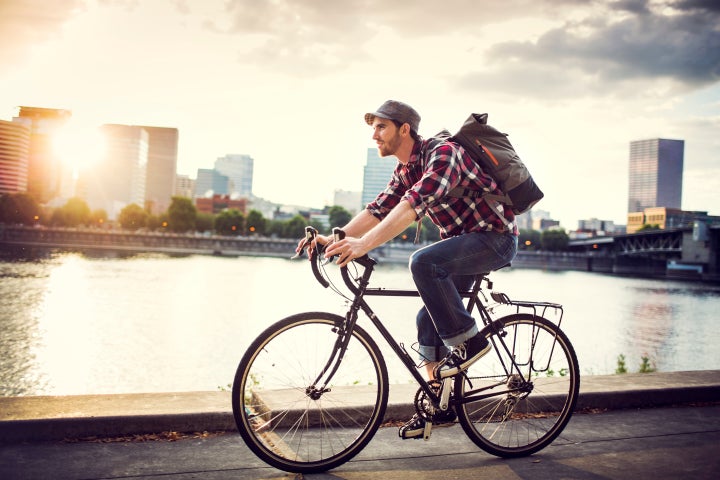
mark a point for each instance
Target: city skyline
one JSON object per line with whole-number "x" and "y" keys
{"x": 287, "y": 83}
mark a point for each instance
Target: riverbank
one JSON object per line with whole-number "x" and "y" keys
{"x": 123, "y": 242}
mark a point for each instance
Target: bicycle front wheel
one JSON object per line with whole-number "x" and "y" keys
{"x": 518, "y": 398}
{"x": 293, "y": 424}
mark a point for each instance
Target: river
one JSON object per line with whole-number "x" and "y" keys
{"x": 77, "y": 323}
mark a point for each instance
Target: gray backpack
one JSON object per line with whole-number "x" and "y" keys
{"x": 496, "y": 156}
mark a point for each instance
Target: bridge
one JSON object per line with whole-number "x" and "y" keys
{"x": 677, "y": 252}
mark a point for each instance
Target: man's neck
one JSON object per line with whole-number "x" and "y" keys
{"x": 405, "y": 150}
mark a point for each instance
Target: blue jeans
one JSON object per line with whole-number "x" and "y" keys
{"x": 439, "y": 271}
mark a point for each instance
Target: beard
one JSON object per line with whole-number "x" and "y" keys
{"x": 390, "y": 146}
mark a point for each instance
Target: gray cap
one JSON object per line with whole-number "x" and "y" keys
{"x": 398, "y": 111}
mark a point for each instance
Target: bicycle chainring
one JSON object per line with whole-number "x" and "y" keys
{"x": 423, "y": 405}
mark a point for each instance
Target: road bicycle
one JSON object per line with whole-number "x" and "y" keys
{"x": 312, "y": 389}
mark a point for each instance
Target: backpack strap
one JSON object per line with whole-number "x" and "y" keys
{"x": 459, "y": 192}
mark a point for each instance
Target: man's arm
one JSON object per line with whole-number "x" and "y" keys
{"x": 391, "y": 226}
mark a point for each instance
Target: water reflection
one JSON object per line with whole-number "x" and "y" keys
{"x": 76, "y": 324}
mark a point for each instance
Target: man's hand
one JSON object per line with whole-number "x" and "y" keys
{"x": 311, "y": 246}
{"x": 347, "y": 250}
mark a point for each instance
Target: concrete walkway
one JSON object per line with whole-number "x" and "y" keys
{"x": 56, "y": 418}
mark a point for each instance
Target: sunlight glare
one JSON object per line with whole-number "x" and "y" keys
{"x": 79, "y": 148}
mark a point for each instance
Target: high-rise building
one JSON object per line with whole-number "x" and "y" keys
{"x": 376, "y": 174}
{"x": 161, "y": 167}
{"x": 118, "y": 179}
{"x": 14, "y": 156}
{"x": 211, "y": 182}
{"x": 184, "y": 186}
{"x": 45, "y": 170}
{"x": 239, "y": 169}
{"x": 656, "y": 173}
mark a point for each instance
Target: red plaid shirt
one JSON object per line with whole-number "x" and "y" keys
{"x": 436, "y": 167}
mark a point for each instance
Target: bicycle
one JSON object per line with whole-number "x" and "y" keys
{"x": 311, "y": 390}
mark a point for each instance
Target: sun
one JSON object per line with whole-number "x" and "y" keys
{"x": 77, "y": 147}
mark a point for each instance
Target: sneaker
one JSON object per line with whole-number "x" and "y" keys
{"x": 462, "y": 356}
{"x": 415, "y": 427}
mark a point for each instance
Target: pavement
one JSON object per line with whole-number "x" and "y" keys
{"x": 655, "y": 425}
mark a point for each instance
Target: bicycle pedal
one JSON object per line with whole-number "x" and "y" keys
{"x": 427, "y": 431}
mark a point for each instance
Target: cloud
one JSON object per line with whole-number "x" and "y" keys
{"x": 24, "y": 23}
{"x": 673, "y": 46}
{"x": 308, "y": 37}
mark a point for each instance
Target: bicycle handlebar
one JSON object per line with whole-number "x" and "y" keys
{"x": 338, "y": 234}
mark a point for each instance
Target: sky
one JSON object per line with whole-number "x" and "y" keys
{"x": 288, "y": 82}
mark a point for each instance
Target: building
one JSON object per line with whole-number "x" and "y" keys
{"x": 239, "y": 169}
{"x": 350, "y": 201}
{"x": 656, "y": 173}
{"x": 596, "y": 226}
{"x": 376, "y": 175}
{"x": 184, "y": 186}
{"x": 211, "y": 182}
{"x": 217, "y": 203}
{"x": 45, "y": 170}
{"x": 161, "y": 167}
{"x": 14, "y": 156}
{"x": 119, "y": 178}
{"x": 668, "y": 218}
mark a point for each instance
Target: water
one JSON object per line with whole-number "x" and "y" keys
{"x": 78, "y": 324}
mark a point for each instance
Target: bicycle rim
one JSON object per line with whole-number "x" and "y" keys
{"x": 533, "y": 399}
{"x": 280, "y": 420}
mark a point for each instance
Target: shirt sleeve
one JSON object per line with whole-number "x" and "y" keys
{"x": 441, "y": 174}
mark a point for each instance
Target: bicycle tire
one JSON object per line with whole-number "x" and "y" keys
{"x": 523, "y": 422}
{"x": 277, "y": 418}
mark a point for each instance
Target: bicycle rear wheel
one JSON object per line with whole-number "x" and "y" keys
{"x": 516, "y": 409}
{"x": 288, "y": 422}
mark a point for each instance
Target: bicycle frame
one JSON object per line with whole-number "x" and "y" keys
{"x": 361, "y": 290}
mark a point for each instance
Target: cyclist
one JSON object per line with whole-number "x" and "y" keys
{"x": 477, "y": 236}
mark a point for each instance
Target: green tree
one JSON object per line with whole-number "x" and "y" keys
{"x": 256, "y": 223}
{"x": 529, "y": 240}
{"x": 204, "y": 222}
{"x": 295, "y": 227}
{"x": 230, "y": 222}
{"x": 649, "y": 226}
{"x": 75, "y": 212}
{"x": 182, "y": 215}
{"x": 133, "y": 217}
{"x": 338, "y": 216}
{"x": 19, "y": 208}
{"x": 276, "y": 228}
{"x": 554, "y": 240}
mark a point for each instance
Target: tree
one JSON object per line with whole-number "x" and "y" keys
{"x": 338, "y": 216}
{"x": 182, "y": 215}
{"x": 133, "y": 217}
{"x": 295, "y": 227}
{"x": 19, "y": 208}
{"x": 75, "y": 212}
{"x": 554, "y": 240}
{"x": 204, "y": 222}
{"x": 230, "y": 222}
{"x": 649, "y": 226}
{"x": 256, "y": 223}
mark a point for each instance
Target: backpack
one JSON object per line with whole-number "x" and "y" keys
{"x": 496, "y": 156}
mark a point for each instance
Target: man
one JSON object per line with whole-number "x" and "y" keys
{"x": 477, "y": 235}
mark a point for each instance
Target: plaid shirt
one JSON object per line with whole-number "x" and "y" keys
{"x": 437, "y": 166}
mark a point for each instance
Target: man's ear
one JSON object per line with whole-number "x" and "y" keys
{"x": 405, "y": 129}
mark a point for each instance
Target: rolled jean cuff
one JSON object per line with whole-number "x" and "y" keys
{"x": 432, "y": 353}
{"x": 458, "y": 339}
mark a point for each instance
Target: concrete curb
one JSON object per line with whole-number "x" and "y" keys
{"x": 27, "y": 419}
